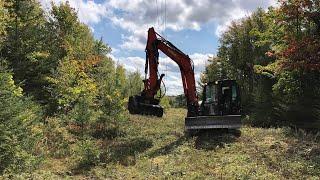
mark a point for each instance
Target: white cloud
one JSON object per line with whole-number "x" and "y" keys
{"x": 173, "y": 77}
{"x": 133, "y": 42}
{"x": 91, "y": 29}
{"x": 136, "y": 16}
{"x": 131, "y": 64}
{"x": 115, "y": 50}
{"x": 168, "y": 67}
{"x": 242, "y": 9}
{"x": 89, "y": 12}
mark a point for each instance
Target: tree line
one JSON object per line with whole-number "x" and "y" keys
{"x": 58, "y": 87}
{"x": 275, "y": 57}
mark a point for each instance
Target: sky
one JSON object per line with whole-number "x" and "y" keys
{"x": 194, "y": 26}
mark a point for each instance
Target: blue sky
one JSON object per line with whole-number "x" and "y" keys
{"x": 194, "y": 26}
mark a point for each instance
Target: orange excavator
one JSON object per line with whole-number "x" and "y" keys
{"x": 220, "y": 106}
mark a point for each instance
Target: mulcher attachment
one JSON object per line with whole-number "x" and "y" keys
{"x": 213, "y": 122}
{"x": 139, "y": 105}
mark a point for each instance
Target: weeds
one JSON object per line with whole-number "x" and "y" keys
{"x": 125, "y": 151}
{"x": 150, "y": 148}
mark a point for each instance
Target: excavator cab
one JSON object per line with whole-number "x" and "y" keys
{"x": 220, "y": 98}
{"x": 220, "y": 107}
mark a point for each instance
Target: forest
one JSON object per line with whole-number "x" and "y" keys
{"x": 55, "y": 78}
{"x": 274, "y": 56}
{"x": 63, "y": 101}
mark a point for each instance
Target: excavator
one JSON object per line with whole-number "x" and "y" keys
{"x": 220, "y": 107}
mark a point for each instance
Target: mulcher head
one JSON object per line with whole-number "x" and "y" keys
{"x": 139, "y": 105}
{"x": 213, "y": 122}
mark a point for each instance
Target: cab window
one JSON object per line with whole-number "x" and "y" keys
{"x": 234, "y": 93}
{"x": 211, "y": 91}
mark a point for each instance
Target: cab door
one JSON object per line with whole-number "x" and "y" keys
{"x": 209, "y": 104}
{"x": 229, "y": 101}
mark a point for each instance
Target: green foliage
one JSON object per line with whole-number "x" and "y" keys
{"x": 100, "y": 48}
{"x": 299, "y": 72}
{"x": 180, "y": 101}
{"x": 288, "y": 86}
{"x": 273, "y": 57}
{"x": 110, "y": 98}
{"x": 274, "y": 153}
{"x": 56, "y": 61}
{"x": 25, "y": 34}
{"x": 165, "y": 102}
{"x": 4, "y": 18}
{"x": 264, "y": 114}
{"x": 83, "y": 113}
{"x": 86, "y": 153}
{"x": 299, "y": 102}
{"x": 214, "y": 71}
{"x": 73, "y": 38}
{"x": 18, "y": 118}
{"x": 57, "y": 138}
{"x": 121, "y": 79}
{"x": 134, "y": 83}
{"x": 71, "y": 84}
{"x": 243, "y": 46}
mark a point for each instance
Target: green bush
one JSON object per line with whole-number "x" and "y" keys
{"x": 165, "y": 102}
{"x": 18, "y": 119}
{"x": 85, "y": 153}
{"x": 298, "y": 96}
{"x": 263, "y": 114}
{"x": 57, "y": 139}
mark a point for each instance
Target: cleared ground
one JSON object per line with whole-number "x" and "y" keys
{"x": 152, "y": 148}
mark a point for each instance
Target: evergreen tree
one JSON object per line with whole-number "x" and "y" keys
{"x": 18, "y": 116}
{"x": 4, "y": 18}
{"x": 120, "y": 80}
{"x": 70, "y": 37}
{"x": 24, "y": 47}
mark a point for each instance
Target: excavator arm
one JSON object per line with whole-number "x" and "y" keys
{"x": 145, "y": 103}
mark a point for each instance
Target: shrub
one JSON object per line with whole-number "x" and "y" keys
{"x": 298, "y": 96}
{"x": 85, "y": 153}
{"x": 57, "y": 139}
{"x": 18, "y": 116}
{"x": 165, "y": 102}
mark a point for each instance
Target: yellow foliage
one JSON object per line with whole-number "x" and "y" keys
{"x": 108, "y": 97}
{"x": 272, "y": 67}
{"x": 89, "y": 62}
{"x": 7, "y": 83}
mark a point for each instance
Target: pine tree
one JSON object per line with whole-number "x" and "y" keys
{"x": 18, "y": 115}
{"x": 24, "y": 45}
{"x": 4, "y": 18}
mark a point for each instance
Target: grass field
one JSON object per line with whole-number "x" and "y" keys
{"x": 152, "y": 148}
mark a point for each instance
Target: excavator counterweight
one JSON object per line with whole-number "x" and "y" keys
{"x": 220, "y": 107}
